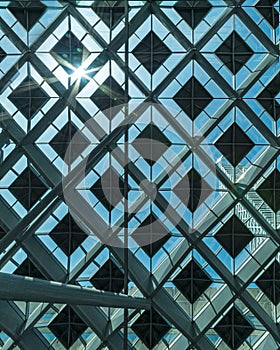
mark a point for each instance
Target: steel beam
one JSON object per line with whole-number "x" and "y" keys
{"x": 12, "y": 321}
{"x": 20, "y": 288}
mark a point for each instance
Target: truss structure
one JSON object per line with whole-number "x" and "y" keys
{"x": 216, "y": 64}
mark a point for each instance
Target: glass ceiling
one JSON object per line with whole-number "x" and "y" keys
{"x": 163, "y": 116}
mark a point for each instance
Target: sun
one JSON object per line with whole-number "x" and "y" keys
{"x": 79, "y": 73}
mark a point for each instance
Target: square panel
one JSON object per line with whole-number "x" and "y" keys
{"x": 109, "y": 189}
{"x": 68, "y": 235}
{"x": 234, "y": 236}
{"x": 269, "y": 12}
{"x": 269, "y": 190}
{"x": 234, "y": 144}
{"x": 109, "y": 95}
{"x": 28, "y": 188}
{"x": 61, "y": 141}
{"x": 193, "y": 98}
{"x": 151, "y": 52}
{"x": 29, "y": 97}
{"x": 150, "y": 327}
{"x": 234, "y": 52}
{"x": 193, "y": 190}
{"x": 151, "y": 229}
{"x": 234, "y": 329}
{"x": 110, "y": 15}
{"x": 192, "y": 281}
{"x": 193, "y": 12}
{"x": 27, "y": 13}
{"x": 109, "y": 277}
{"x": 269, "y": 282}
{"x": 67, "y": 327}
{"x": 151, "y": 143}
{"x": 70, "y": 52}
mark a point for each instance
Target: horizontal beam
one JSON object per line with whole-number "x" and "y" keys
{"x": 28, "y": 289}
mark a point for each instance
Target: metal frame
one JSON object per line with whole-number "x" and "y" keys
{"x": 22, "y": 231}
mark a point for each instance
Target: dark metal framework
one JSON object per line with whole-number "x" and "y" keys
{"x": 217, "y": 63}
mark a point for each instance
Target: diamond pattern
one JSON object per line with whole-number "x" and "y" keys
{"x": 234, "y": 236}
{"x": 234, "y": 52}
{"x": 151, "y": 229}
{"x": 150, "y": 327}
{"x": 109, "y": 95}
{"x": 67, "y": 327}
{"x": 112, "y": 189}
{"x": 267, "y": 98}
{"x": 27, "y": 268}
{"x": 151, "y": 44}
{"x": 2, "y": 54}
{"x": 151, "y": 152}
{"x": 193, "y": 98}
{"x": 28, "y": 188}
{"x": 27, "y": 12}
{"x": 110, "y": 15}
{"x": 234, "y": 144}
{"x": 193, "y": 12}
{"x": 192, "y": 281}
{"x": 2, "y": 232}
{"x": 70, "y": 52}
{"x": 61, "y": 141}
{"x": 109, "y": 278}
{"x": 192, "y": 190}
{"x": 269, "y": 282}
{"x": 269, "y": 190}
{"x": 160, "y": 68}
{"x": 234, "y": 329}
{"x": 68, "y": 235}
{"x": 267, "y": 10}
{"x": 29, "y": 97}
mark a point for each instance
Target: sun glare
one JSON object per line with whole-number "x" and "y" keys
{"x": 79, "y": 73}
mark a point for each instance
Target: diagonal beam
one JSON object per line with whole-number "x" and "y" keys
{"x": 57, "y": 190}
{"x": 142, "y": 277}
{"x": 12, "y": 321}
{"x": 236, "y": 285}
{"x": 51, "y": 268}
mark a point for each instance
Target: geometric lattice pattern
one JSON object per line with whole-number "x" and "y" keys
{"x": 237, "y": 58}
{"x": 150, "y": 328}
{"x": 234, "y": 144}
{"x": 192, "y": 281}
{"x": 234, "y": 236}
{"x": 26, "y": 94}
{"x": 234, "y": 329}
{"x": 194, "y": 214}
{"x": 269, "y": 190}
{"x": 193, "y": 13}
{"x": 109, "y": 277}
{"x": 193, "y": 98}
{"x": 67, "y": 327}
{"x": 27, "y": 13}
{"x": 269, "y": 282}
